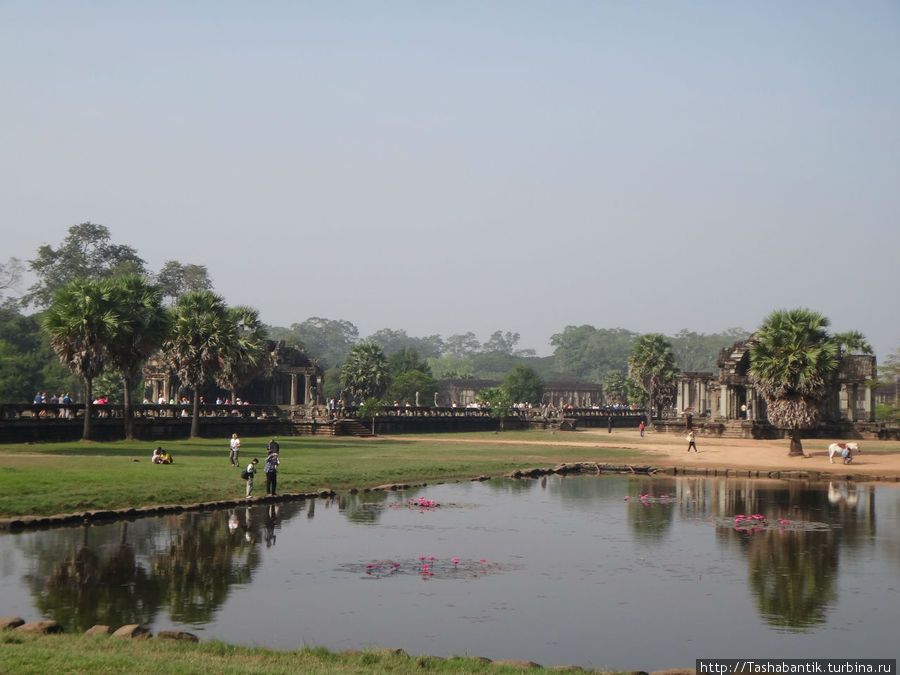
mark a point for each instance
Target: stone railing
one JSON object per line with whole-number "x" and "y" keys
{"x": 75, "y": 411}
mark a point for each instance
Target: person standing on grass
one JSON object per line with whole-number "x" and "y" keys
{"x": 273, "y": 446}
{"x": 271, "y": 471}
{"x": 251, "y": 472}
{"x": 641, "y": 427}
{"x": 235, "y": 449}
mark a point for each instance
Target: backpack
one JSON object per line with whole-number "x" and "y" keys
{"x": 245, "y": 474}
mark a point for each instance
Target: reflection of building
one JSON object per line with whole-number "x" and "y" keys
{"x": 731, "y": 395}
{"x": 287, "y": 376}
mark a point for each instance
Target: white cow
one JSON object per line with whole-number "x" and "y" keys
{"x": 845, "y": 450}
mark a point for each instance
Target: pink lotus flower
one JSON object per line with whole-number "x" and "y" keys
{"x": 455, "y": 561}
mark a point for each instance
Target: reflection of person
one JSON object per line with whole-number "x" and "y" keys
{"x": 690, "y": 440}
{"x": 271, "y": 514}
{"x": 271, "y": 471}
{"x": 232, "y": 522}
{"x": 235, "y": 449}
{"x": 251, "y": 472}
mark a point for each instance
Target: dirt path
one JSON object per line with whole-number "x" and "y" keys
{"x": 669, "y": 450}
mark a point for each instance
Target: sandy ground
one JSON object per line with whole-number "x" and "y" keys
{"x": 733, "y": 453}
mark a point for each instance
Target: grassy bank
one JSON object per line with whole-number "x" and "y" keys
{"x": 50, "y": 478}
{"x": 26, "y": 655}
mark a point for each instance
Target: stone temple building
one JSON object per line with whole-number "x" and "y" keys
{"x": 730, "y": 395}
{"x": 287, "y": 376}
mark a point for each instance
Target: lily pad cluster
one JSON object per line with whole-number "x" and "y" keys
{"x": 757, "y": 522}
{"x": 647, "y": 499}
{"x": 426, "y": 567}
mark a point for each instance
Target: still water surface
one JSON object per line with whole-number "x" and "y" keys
{"x": 563, "y": 570}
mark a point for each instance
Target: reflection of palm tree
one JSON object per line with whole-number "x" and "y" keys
{"x": 366, "y": 510}
{"x": 793, "y": 576}
{"x": 83, "y": 589}
{"x": 200, "y": 565}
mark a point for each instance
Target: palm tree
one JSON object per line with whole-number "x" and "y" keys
{"x": 792, "y": 360}
{"x": 81, "y": 321}
{"x": 201, "y": 335}
{"x": 143, "y": 326}
{"x": 652, "y": 366}
{"x": 365, "y": 372}
{"x": 244, "y": 357}
{"x": 852, "y": 341}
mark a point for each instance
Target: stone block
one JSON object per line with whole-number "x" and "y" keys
{"x": 44, "y": 627}
{"x": 132, "y": 630}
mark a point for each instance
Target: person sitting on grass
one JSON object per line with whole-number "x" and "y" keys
{"x": 160, "y": 456}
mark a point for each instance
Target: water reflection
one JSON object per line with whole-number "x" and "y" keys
{"x": 661, "y": 542}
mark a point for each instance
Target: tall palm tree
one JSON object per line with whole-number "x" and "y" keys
{"x": 143, "y": 326}
{"x": 652, "y": 365}
{"x": 365, "y": 372}
{"x": 244, "y": 358}
{"x": 200, "y": 336}
{"x": 792, "y": 361}
{"x": 81, "y": 320}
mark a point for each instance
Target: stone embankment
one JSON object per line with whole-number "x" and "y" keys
{"x": 130, "y": 631}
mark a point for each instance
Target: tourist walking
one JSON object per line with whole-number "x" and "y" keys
{"x": 690, "y": 440}
{"x": 251, "y": 472}
{"x": 609, "y": 428}
{"x": 271, "y": 471}
{"x": 641, "y": 428}
{"x": 235, "y": 449}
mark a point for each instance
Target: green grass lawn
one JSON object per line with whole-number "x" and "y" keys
{"x": 51, "y": 478}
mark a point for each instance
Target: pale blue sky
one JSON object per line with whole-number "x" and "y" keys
{"x": 443, "y": 167}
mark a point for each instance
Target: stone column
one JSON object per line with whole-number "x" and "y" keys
{"x": 293, "y": 388}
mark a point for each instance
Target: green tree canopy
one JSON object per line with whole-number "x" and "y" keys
{"x": 176, "y": 278}
{"x": 696, "y": 352}
{"x": 86, "y": 253}
{"x": 462, "y": 345}
{"x": 614, "y": 387}
{"x": 404, "y": 360}
{"x": 245, "y": 355}
{"x": 652, "y": 366}
{"x": 852, "y": 342}
{"x": 328, "y": 340}
{"x": 792, "y": 360}
{"x": 588, "y": 352}
{"x": 392, "y": 341}
{"x": 523, "y": 385}
{"x": 82, "y": 321}
{"x": 405, "y": 387}
{"x": 365, "y": 372}
{"x": 203, "y": 332}
{"x": 143, "y": 325}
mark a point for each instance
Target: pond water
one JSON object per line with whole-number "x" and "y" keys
{"x": 562, "y": 570}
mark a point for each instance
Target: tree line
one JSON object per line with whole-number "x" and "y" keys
{"x": 99, "y": 311}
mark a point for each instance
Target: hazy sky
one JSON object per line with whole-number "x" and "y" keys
{"x": 441, "y": 167}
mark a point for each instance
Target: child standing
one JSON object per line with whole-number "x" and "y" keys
{"x": 235, "y": 445}
{"x": 251, "y": 472}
